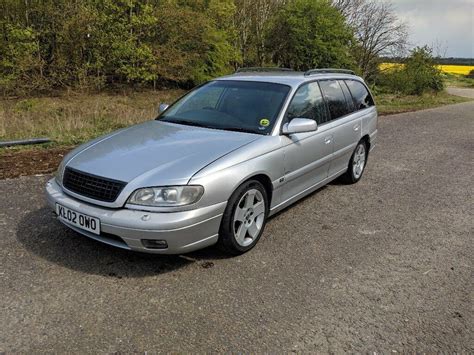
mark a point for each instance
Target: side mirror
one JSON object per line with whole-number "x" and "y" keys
{"x": 162, "y": 107}
{"x": 300, "y": 125}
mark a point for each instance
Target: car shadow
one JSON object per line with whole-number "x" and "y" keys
{"x": 41, "y": 234}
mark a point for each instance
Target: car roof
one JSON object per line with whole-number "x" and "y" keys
{"x": 291, "y": 78}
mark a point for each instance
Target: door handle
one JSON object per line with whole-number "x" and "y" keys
{"x": 356, "y": 127}
{"x": 327, "y": 140}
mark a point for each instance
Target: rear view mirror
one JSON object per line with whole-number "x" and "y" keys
{"x": 300, "y": 125}
{"x": 162, "y": 108}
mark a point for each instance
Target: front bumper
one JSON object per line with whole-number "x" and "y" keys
{"x": 124, "y": 228}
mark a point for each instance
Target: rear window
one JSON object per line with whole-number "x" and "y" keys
{"x": 335, "y": 98}
{"x": 361, "y": 95}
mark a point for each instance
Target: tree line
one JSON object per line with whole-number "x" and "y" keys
{"x": 92, "y": 44}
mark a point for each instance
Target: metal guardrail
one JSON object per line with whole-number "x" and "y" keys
{"x": 24, "y": 142}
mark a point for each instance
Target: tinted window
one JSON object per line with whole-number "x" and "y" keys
{"x": 335, "y": 98}
{"x": 308, "y": 102}
{"x": 360, "y": 94}
{"x": 348, "y": 96}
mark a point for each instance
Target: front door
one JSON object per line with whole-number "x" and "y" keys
{"x": 307, "y": 155}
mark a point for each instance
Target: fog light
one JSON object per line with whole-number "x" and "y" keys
{"x": 154, "y": 244}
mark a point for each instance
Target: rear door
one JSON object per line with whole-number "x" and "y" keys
{"x": 345, "y": 123}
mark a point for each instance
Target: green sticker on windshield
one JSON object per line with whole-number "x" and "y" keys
{"x": 264, "y": 122}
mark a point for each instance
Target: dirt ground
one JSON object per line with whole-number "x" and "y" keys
{"x": 16, "y": 163}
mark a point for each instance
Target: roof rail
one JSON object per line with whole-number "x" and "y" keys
{"x": 262, "y": 69}
{"x": 328, "y": 70}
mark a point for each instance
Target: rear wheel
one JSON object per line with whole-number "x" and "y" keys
{"x": 244, "y": 218}
{"x": 356, "y": 167}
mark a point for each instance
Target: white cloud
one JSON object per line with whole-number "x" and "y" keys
{"x": 449, "y": 23}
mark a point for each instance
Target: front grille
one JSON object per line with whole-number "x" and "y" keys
{"x": 92, "y": 186}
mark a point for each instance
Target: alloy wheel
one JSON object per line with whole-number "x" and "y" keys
{"x": 248, "y": 218}
{"x": 358, "y": 163}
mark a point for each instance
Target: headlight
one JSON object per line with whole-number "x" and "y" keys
{"x": 169, "y": 196}
{"x": 60, "y": 173}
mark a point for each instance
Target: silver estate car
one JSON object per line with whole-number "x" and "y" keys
{"x": 213, "y": 166}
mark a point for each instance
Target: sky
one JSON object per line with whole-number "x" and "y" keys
{"x": 446, "y": 24}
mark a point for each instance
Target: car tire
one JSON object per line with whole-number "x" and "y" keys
{"x": 244, "y": 218}
{"x": 357, "y": 163}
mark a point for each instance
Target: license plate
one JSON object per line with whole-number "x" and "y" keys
{"x": 77, "y": 219}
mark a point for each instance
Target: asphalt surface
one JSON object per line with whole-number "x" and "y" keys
{"x": 464, "y": 92}
{"x": 384, "y": 265}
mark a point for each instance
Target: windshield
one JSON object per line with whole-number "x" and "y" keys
{"x": 230, "y": 105}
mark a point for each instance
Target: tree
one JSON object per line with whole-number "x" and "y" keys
{"x": 193, "y": 40}
{"x": 91, "y": 43}
{"x": 251, "y": 21}
{"x": 308, "y": 34}
{"x": 19, "y": 62}
{"x": 378, "y": 31}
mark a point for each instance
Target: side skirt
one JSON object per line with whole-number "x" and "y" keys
{"x": 305, "y": 192}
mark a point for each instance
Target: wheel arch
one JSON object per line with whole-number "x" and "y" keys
{"x": 266, "y": 182}
{"x": 366, "y": 139}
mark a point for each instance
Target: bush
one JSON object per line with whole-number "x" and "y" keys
{"x": 416, "y": 76}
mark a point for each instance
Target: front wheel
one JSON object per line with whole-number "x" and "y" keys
{"x": 244, "y": 219}
{"x": 357, "y": 163}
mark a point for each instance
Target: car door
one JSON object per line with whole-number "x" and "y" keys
{"x": 306, "y": 155}
{"x": 345, "y": 124}
{"x": 364, "y": 106}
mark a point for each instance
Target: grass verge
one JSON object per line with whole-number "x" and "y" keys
{"x": 391, "y": 104}
{"x": 75, "y": 118}
{"x": 460, "y": 81}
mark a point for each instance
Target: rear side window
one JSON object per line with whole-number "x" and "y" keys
{"x": 361, "y": 95}
{"x": 348, "y": 96}
{"x": 335, "y": 98}
{"x": 308, "y": 102}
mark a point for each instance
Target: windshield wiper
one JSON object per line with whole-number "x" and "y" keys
{"x": 238, "y": 129}
{"x": 187, "y": 123}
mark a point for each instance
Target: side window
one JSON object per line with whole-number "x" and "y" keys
{"x": 360, "y": 94}
{"x": 335, "y": 98}
{"x": 348, "y": 96}
{"x": 308, "y": 102}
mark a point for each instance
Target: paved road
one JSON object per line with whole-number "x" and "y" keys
{"x": 383, "y": 265}
{"x": 464, "y": 92}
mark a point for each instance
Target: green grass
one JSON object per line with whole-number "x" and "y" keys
{"x": 391, "y": 103}
{"x": 459, "y": 81}
{"x": 74, "y": 118}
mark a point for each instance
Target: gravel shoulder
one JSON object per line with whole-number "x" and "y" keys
{"x": 382, "y": 265}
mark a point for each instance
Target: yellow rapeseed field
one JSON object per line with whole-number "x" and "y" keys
{"x": 451, "y": 69}
{"x": 456, "y": 69}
